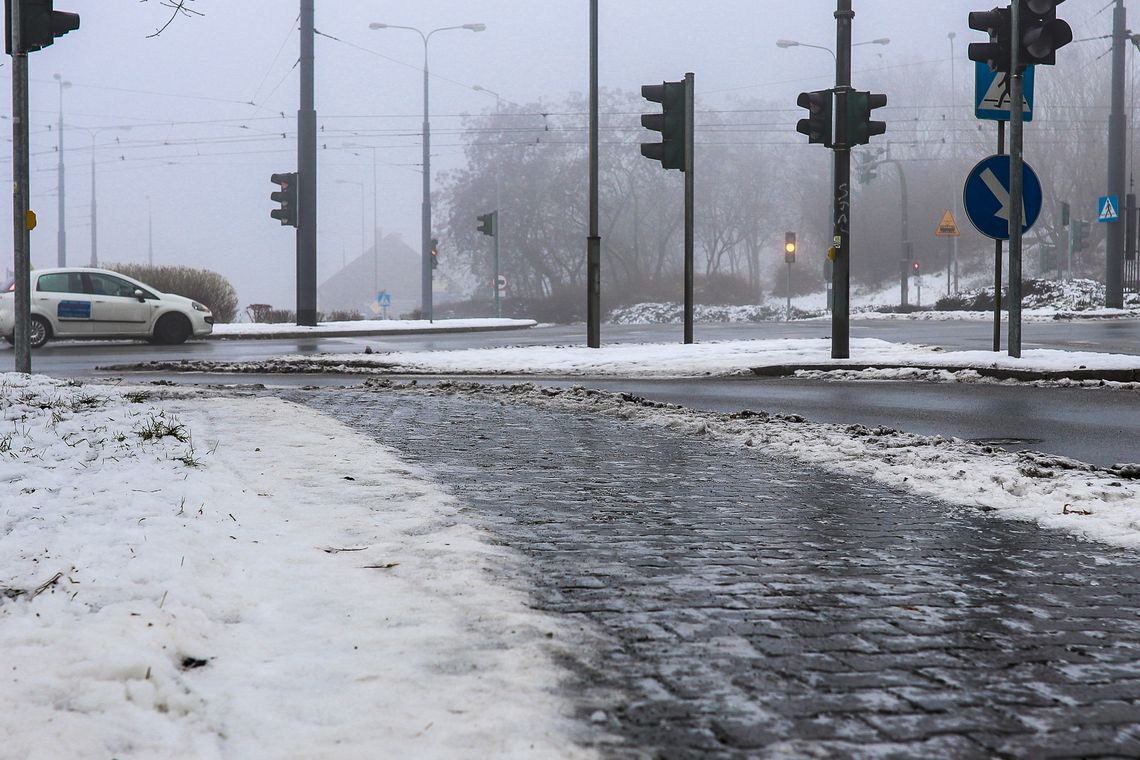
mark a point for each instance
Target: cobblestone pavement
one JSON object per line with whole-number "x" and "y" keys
{"x": 749, "y": 606}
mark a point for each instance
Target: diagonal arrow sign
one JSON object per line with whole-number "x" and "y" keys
{"x": 1001, "y": 192}
{"x": 987, "y": 187}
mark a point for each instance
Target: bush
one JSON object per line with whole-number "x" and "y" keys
{"x": 201, "y": 285}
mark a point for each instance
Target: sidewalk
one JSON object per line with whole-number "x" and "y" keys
{"x": 244, "y": 578}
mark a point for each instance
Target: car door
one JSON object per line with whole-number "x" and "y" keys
{"x": 116, "y": 309}
{"x": 61, "y": 298}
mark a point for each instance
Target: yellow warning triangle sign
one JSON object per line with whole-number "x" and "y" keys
{"x": 947, "y": 227}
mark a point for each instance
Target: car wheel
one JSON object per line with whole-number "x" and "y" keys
{"x": 171, "y": 329}
{"x": 39, "y": 331}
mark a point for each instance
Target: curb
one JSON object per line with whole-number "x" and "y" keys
{"x": 997, "y": 373}
{"x": 293, "y": 334}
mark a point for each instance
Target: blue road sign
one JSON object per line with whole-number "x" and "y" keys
{"x": 986, "y": 197}
{"x": 1108, "y": 209}
{"x": 991, "y": 93}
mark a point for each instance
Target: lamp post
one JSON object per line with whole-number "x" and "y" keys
{"x": 61, "y": 238}
{"x": 363, "y": 212}
{"x": 425, "y": 220}
{"x": 375, "y": 216}
{"x": 94, "y": 208}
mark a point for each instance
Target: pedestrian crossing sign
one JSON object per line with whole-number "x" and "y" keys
{"x": 947, "y": 227}
{"x": 1108, "y": 209}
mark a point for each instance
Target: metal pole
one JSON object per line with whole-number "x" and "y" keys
{"x": 594, "y": 241}
{"x": 689, "y": 212}
{"x": 61, "y": 233}
{"x": 1016, "y": 180}
{"x": 22, "y": 248}
{"x": 425, "y": 207}
{"x": 498, "y": 293}
{"x": 998, "y": 257}
{"x": 788, "y": 293}
{"x": 840, "y": 316}
{"x": 1117, "y": 150}
{"x": 307, "y": 184}
{"x": 94, "y": 211}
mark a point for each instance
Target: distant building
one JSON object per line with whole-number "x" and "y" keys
{"x": 395, "y": 271}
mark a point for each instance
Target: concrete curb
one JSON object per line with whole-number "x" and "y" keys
{"x": 294, "y": 334}
{"x": 997, "y": 373}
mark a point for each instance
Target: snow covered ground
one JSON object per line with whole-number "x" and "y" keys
{"x": 244, "y": 578}
{"x": 223, "y": 575}
{"x": 366, "y": 327}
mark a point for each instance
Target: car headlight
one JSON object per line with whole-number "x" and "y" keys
{"x": 199, "y": 307}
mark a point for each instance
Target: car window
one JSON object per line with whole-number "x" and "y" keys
{"x": 60, "y": 282}
{"x": 107, "y": 285}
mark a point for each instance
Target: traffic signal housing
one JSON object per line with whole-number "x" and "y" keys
{"x": 790, "y": 247}
{"x": 914, "y": 267}
{"x": 488, "y": 223}
{"x": 286, "y": 197}
{"x": 1040, "y": 33}
{"x": 995, "y": 53}
{"x": 818, "y": 125}
{"x": 670, "y": 123}
{"x": 40, "y": 24}
{"x": 434, "y": 253}
{"x": 860, "y": 127}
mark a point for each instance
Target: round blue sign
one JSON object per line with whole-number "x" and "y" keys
{"x": 986, "y": 197}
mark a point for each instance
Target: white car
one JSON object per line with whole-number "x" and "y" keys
{"x": 79, "y": 302}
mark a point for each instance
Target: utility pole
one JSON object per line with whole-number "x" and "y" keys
{"x": 594, "y": 241}
{"x": 1117, "y": 150}
{"x": 841, "y": 314}
{"x": 307, "y": 181}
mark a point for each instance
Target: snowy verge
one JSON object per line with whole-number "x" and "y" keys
{"x": 737, "y": 357}
{"x": 246, "y": 578}
{"x": 1096, "y": 503}
{"x": 366, "y": 327}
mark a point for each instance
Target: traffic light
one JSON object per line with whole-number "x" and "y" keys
{"x": 40, "y": 24}
{"x": 487, "y": 223}
{"x": 860, "y": 127}
{"x": 1080, "y": 234}
{"x": 915, "y": 267}
{"x": 434, "y": 253}
{"x": 817, "y": 126}
{"x": 1041, "y": 33}
{"x": 286, "y": 197}
{"x": 790, "y": 247}
{"x": 996, "y": 53}
{"x": 670, "y": 123}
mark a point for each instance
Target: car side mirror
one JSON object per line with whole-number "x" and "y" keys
{"x": 140, "y": 295}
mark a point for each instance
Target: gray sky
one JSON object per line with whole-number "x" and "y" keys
{"x": 188, "y": 126}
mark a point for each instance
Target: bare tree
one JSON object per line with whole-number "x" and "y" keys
{"x": 176, "y": 8}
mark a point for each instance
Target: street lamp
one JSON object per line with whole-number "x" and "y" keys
{"x": 794, "y": 43}
{"x": 61, "y": 238}
{"x": 425, "y": 231}
{"x": 94, "y": 208}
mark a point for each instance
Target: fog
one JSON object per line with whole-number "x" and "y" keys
{"x": 184, "y": 128}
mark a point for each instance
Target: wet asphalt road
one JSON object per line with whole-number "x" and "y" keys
{"x": 738, "y": 605}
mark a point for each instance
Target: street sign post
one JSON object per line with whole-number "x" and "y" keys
{"x": 992, "y": 93}
{"x": 986, "y": 197}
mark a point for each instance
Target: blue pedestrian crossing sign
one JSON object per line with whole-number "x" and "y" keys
{"x": 1108, "y": 209}
{"x": 986, "y": 197}
{"x": 992, "y": 93}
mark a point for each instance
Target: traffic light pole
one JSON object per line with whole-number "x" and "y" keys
{"x": 594, "y": 241}
{"x": 840, "y": 315}
{"x": 22, "y": 248}
{"x": 307, "y": 179}
{"x": 1117, "y": 151}
{"x": 1016, "y": 182}
{"x": 689, "y": 214}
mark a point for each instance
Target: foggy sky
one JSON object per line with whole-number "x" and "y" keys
{"x": 188, "y": 126}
